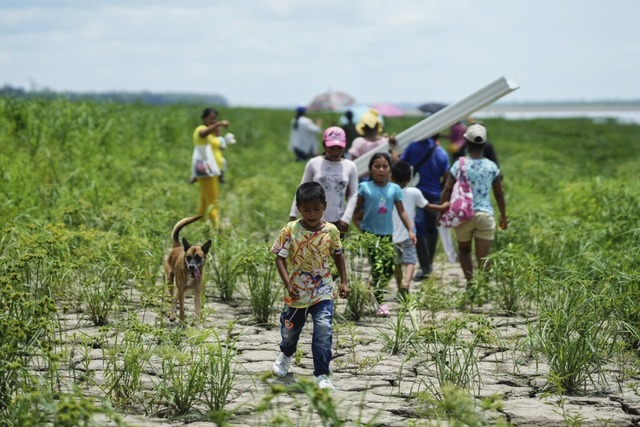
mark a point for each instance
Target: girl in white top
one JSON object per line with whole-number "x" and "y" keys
{"x": 338, "y": 177}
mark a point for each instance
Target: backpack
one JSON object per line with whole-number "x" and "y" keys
{"x": 415, "y": 176}
{"x": 461, "y": 201}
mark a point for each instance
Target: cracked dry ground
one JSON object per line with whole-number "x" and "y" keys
{"x": 380, "y": 392}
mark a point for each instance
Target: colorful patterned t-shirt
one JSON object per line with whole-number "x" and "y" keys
{"x": 308, "y": 255}
{"x": 481, "y": 174}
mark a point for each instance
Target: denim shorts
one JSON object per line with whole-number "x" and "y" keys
{"x": 406, "y": 252}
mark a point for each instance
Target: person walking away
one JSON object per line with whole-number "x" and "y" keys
{"x": 349, "y": 128}
{"x": 376, "y": 200}
{"x": 488, "y": 152}
{"x": 303, "y": 136}
{"x": 432, "y": 163}
{"x": 455, "y": 137}
{"x": 338, "y": 177}
{"x": 483, "y": 176}
{"x": 412, "y": 201}
{"x": 209, "y": 185}
{"x": 303, "y": 250}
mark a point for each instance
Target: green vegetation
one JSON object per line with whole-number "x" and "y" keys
{"x": 90, "y": 192}
{"x": 152, "y": 98}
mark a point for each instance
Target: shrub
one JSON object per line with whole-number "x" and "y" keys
{"x": 98, "y": 290}
{"x": 223, "y": 266}
{"x": 28, "y": 319}
{"x": 220, "y": 370}
{"x": 575, "y": 334}
{"x": 259, "y": 269}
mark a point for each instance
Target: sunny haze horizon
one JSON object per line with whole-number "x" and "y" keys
{"x": 280, "y": 53}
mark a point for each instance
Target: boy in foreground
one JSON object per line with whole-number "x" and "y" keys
{"x": 303, "y": 251}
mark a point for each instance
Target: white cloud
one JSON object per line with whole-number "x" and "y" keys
{"x": 284, "y": 51}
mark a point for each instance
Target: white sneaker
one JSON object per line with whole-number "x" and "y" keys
{"x": 281, "y": 365}
{"x": 324, "y": 382}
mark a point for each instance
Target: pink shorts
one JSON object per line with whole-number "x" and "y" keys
{"x": 482, "y": 226}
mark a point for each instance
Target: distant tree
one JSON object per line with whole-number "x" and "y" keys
{"x": 144, "y": 97}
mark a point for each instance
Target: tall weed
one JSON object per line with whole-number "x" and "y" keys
{"x": 126, "y": 356}
{"x": 259, "y": 269}
{"x": 183, "y": 380}
{"x": 449, "y": 357}
{"x": 512, "y": 272}
{"x": 575, "y": 334}
{"x": 401, "y": 335}
{"x": 456, "y": 407}
{"x": 360, "y": 300}
{"x": 223, "y": 267}
{"x": 220, "y": 370}
{"x": 347, "y": 338}
{"x": 28, "y": 320}
{"x": 98, "y": 290}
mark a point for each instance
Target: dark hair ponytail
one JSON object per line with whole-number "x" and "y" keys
{"x": 298, "y": 115}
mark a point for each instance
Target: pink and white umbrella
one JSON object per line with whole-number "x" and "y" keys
{"x": 388, "y": 110}
{"x": 331, "y": 101}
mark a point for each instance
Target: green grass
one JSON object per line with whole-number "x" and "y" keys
{"x": 90, "y": 191}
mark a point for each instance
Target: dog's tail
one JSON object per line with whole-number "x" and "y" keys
{"x": 175, "y": 234}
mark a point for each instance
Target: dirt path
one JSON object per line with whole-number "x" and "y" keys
{"x": 367, "y": 390}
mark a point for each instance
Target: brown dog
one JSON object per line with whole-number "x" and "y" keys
{"x": 184, "y": 267}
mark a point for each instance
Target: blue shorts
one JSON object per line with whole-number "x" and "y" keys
{"x": 406, "y": 252}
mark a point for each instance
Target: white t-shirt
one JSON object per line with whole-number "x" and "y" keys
{"x": 338, "y": 179}
{"x": 305, "y": 137}
{"x": 413, "y": 199}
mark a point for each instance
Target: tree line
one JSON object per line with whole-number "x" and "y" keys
{"x": 144, "y": 97}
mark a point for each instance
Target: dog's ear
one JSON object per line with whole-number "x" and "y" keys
{"x": 185, "y": 244}
{"x": 206, "y": 246}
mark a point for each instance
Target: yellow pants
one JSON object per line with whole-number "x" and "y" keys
{"x": 209, "y": 191}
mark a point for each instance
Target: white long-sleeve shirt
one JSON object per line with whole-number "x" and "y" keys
{"x": 305, "y": 137}
{"x": 339, "y": 180}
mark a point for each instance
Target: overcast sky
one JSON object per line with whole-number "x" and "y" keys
{"x": 283, "y": 52}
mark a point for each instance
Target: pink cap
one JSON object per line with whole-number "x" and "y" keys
{"x": 334, "y": 137}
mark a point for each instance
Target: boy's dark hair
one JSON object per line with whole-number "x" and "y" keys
{"x": 310, "y": 191}
{"x": 401, "y": 171}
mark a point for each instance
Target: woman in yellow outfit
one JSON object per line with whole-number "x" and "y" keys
{"x": 209, "y": 186}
